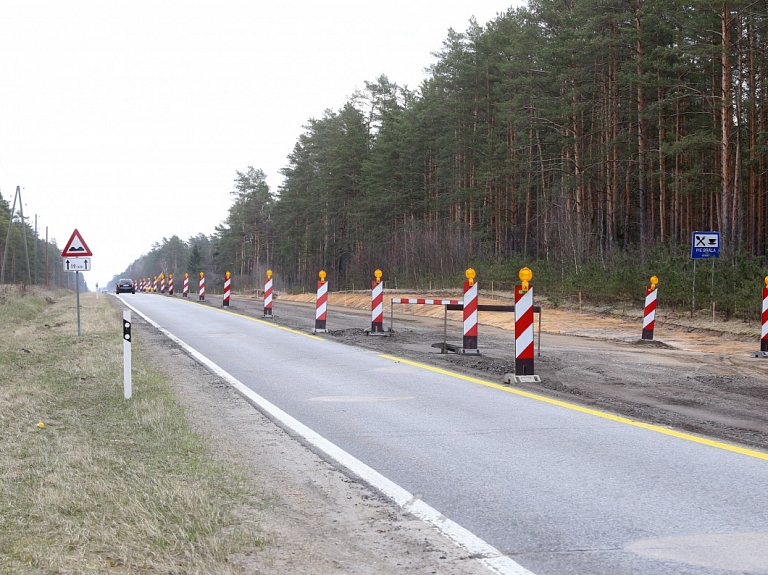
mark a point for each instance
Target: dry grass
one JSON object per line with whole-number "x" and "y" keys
{"x": 108, "y": 485}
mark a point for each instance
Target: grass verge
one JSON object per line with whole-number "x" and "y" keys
{"x": 107, "y": 485}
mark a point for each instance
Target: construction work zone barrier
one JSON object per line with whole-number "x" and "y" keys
{"x": 456, "y": 305}
{"x": 524, "y": 331}
{"x": 170, "y": 284}
{"x": 649, "y": 315}
{"x": 268, "y": 295}
{"x": 201, "y": 290}
{"x": 377, "y": 306}
{"x": 185, "y": 286}
{"x": 227, "y": 281}
{"x": 469, "y": 341}
{"x": 764, "y": 333}
{"x": 162, "y": 283}
{"x": 154, "y": 284}
{"x": 321, "y": 305}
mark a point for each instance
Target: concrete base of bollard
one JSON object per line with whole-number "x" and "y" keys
{"x": 512, "y": 378}
{"x": 385, "y": 333}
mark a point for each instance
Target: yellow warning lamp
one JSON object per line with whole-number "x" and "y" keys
{"x": 186, "y": 276}
{"x": 322, "y": 275}
{"x": 654, "y": 281}
{"x": 202, "y": 275}
{"x": 525, "y": 276}
{"x": 471, "y": 274}
{"x": 766, "y": 282}
{"x": 269, "y": 274}
{"x": 170, "y": 276}
{"x": 378, "y": 274}
{"x": 228, "y": 274}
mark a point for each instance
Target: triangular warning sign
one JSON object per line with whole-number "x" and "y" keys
{"x": 76, "y": 247}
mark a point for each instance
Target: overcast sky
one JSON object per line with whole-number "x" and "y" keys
{"x": 127, "y": 120}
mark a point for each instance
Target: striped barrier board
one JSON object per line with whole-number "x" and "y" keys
{"x": 427, "y": 301}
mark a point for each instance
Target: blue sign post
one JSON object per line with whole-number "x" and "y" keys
{"x": 704, "y": 245}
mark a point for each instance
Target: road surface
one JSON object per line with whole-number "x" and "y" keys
{"x": 554, "y": 487}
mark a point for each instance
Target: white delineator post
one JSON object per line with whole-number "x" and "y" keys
{"x": 649, "y": 315}
{"x": 127, "y": 384}
{"x": 268, "y": 295}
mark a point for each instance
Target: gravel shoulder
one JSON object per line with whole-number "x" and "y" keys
{"x": 320, "y": 520}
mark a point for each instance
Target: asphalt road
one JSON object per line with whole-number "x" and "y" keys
{"x": 556, "y": 488}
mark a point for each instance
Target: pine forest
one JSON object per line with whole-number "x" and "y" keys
{"x": 585, "y": 139}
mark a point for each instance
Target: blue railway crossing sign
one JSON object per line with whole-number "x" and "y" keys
{"x": 705, "y": 245}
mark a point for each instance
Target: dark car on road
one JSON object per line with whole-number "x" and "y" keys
{"x": 125, "y": 286}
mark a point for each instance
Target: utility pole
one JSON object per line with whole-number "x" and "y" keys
{"x": 16, "y": 197}
{"x": 34, "y": 251}
{"x": 47, "y": 281}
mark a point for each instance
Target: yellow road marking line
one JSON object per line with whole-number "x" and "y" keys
{"x": 587, "y": 410}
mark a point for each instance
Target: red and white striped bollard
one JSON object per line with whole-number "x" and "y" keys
{"x": 268, "y": 295}
{"x": 321, "y": 309}
{"x": 649, "y": 315}
{"x": 377, "y": 303}
{"x": 225, "y": 301}
{"x": 170, "y": 284}
{"x": 201, "y": 290}
{"x": 524, "y": 325}
{"x": 185, "y": 286}
{"x": 469, "y": 344}
{"x": 764, "y": 334}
